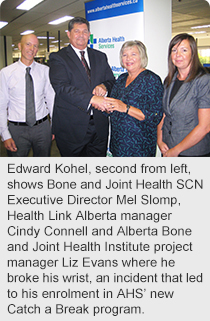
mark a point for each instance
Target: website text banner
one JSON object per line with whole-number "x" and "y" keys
{"x": 110, "y": 8}
{"x": 104, "y": 239}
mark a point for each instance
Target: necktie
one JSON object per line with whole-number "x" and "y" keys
{"x": 84, "y": 62}
{"x": 30, "y": 105}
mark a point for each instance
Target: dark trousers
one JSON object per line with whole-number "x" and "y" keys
{"x": 91, "y": 146}
{"x": 38, "y": 137}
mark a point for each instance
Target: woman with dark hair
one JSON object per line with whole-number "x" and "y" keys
{"x": 185, "y": 126}
{"x": 136, "y": 105}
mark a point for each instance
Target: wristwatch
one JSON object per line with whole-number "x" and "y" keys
{"x": 128, "y": 107}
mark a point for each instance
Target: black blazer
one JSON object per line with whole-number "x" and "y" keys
{"x": 74, "y": 92}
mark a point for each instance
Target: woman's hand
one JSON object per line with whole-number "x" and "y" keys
{"x": 118, "y": 105}
{"x": 163, "y": 147}
{"x": 171, "y": 152}
{"x": 115, "y": 104}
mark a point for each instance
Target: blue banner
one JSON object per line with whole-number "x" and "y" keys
{"x": 101, "y": 9}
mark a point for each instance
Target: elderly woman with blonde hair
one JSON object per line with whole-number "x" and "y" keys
{"x": 135, "y": 105}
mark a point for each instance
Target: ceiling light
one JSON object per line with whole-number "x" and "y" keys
{"x": 60, "y": 20}
{"x": 27, "y": 32}
{"x": 28, "y": 4}
{"x": 199, "y": 27}
{"x": 44, "y": 37}
{"x": 56, "y": 41}
{"x": 1, "y": 1}
{"x": 196, "y": 32}
{"x": 3, "y": 23}
{"x": 208, "y": 1}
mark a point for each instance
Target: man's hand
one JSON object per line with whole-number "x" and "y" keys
{"x": 99, "y": 103}
{"x": 100, "y": 90}
{"x": 10, "y": 145}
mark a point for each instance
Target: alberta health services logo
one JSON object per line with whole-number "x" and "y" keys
{"x": 107, "y": 43}
{"x": 104, "y": 43}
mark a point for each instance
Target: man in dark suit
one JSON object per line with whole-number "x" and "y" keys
{"x": 79, "y": 124}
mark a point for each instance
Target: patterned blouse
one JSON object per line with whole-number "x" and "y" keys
{"x": 129, "y": 136}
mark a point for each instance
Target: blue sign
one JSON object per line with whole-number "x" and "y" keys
{"x": 101, "y": 9}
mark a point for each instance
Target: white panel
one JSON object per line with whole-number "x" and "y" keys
{"x": 114, "y": 32}
{"x": 157, "y": 34}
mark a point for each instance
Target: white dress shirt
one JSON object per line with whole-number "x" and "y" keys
{"x": 12, "y": 92}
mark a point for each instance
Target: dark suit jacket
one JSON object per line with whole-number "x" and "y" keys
{"x": 74, "y": 91}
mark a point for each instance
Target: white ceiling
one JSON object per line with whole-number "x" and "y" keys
{"x": 191, "y": 13}
{"x": 185, "y": 14}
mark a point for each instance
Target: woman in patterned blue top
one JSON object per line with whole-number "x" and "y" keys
{"x": 136, "y": 105}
